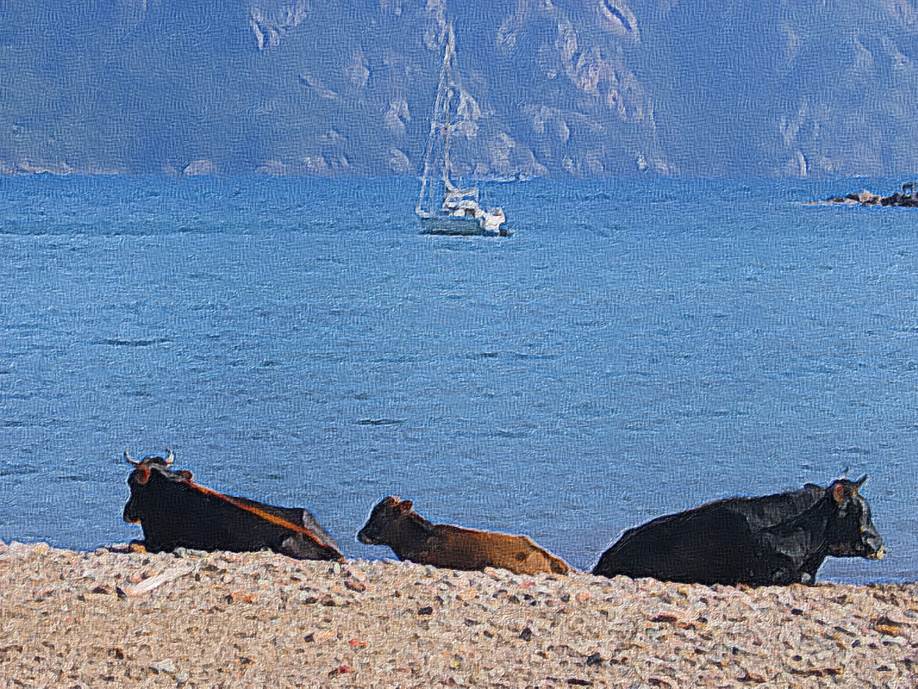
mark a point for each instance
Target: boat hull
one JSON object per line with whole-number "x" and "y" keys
{"x": 464, "y": 227}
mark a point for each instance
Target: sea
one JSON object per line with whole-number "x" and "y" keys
{"x": 639, "y": 346}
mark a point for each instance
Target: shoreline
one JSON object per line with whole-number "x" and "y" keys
{"x": 107, "y": 618}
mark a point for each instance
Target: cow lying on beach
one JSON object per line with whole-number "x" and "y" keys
{"x": 394, "y": 523}
{"x": 175, "y": 511}
{"x": 775, "y": 539}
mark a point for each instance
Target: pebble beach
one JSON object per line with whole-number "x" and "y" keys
{"x": 113, "y": 618}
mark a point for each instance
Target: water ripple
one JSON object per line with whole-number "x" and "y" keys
{"x": 119, "y": 342}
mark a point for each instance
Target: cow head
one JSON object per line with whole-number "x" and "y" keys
{"x": 851, "y": 532}
{"x": 387, "y": 513}
{"x": 147, "y": 473}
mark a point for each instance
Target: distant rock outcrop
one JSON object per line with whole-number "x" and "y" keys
{"x": 269, "y": 25}
{"x": 906, "y": 198}
{"x": 59, "y": 168}
{"x": 198, "y": 168}
{"x": 399, "y": 162}
{"x": 275, "y": 168}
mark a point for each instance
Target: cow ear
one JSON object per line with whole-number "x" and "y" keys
{"x": 405, "y": 506}
{"x": 838, "y": 492}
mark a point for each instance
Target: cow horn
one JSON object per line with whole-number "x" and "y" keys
{"x": 129, "y": 460}
{"x": 170, "y": 457}
{"x": 860, "y": 481}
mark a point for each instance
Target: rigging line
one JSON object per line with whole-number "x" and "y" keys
{"x": 438, "y": 105}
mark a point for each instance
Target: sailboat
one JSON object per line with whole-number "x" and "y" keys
{"x": 444, "y": 207}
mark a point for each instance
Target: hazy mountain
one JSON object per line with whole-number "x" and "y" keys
{"x": 549, "y": 86}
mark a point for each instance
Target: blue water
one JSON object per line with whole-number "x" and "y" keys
{"x": 638, "y": 347}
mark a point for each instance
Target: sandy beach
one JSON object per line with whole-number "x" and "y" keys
{"x": 76, "y": 619}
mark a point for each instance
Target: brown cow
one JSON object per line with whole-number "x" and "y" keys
{"x": 394, "y": 523}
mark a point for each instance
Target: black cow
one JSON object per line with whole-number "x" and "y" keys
{"x": 175, "y": 511}
{"x": 775, "y": 539}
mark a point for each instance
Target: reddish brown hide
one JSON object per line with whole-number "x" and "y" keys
{"x": 394, "y": 523}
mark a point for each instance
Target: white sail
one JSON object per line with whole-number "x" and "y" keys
{"x": 445, "y": 207}
{"x": 439, "y": 120}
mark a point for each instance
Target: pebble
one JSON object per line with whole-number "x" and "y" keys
{"x": 485, "y": 631}
{"x": 356, "y": 574}
{"x": 321, "y": 636}
{"x": 166, "y": 666}
{"x": 468, "y": 594}
{"x": 355, "y": 585}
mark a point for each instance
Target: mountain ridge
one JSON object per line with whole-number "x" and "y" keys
{"x": 549, "y": 87}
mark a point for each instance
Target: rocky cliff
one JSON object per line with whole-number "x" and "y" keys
{"x": 580, "y": 87}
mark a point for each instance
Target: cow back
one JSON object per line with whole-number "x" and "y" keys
{"x": 182, "y": 514}
{"x": 295, "y": 515}
{"x": 456, "y": 547}
{"x": 769, "y": 511}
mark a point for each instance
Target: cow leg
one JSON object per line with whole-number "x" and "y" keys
{"x": 808, "y": 573}
{"x": 299, "y": 548}
{"x": 136, "y": 546}
{"x": 292, "y": 547}
{"x": 783, "y": 577}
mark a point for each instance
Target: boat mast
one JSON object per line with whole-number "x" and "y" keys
{"x": 447, "y": 125}
{"x": 441, "y": 103}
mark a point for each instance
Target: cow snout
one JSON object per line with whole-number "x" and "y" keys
{"x": 366, "y": 538}
{"x": 873, "y": 544}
